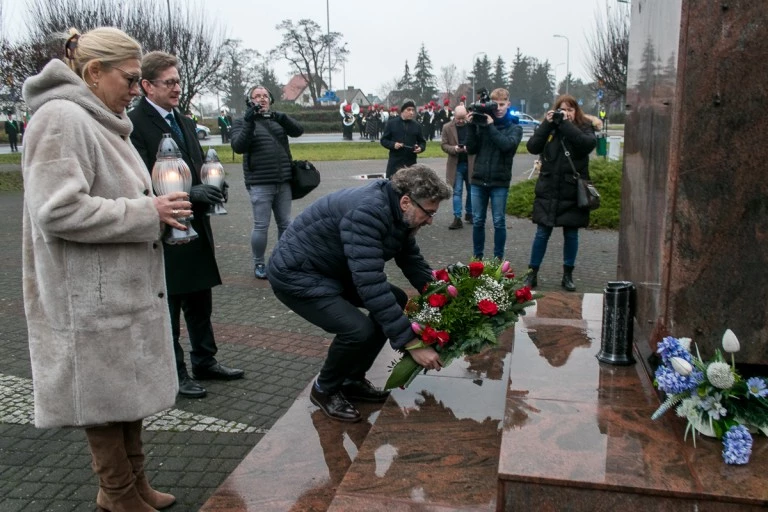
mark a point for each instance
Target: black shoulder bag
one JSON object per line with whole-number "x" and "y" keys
{"x": 587, "y": 196}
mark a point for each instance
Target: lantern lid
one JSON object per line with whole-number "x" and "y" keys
{"x": 168, "y": 148}
{"x": 211, "y": 156}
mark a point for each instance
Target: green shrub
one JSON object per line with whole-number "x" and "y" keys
{"x": 605, "y": 174}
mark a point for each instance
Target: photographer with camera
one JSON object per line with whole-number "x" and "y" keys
{"x": 555, "y": 204}
{"x": 261, "y": 136}
{"x": 494, "y": 134}
{"x": 403, "y": 138}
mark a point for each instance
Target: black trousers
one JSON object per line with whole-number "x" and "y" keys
{"x": 13, "y": 140}
{"x": 197, "y": 308}
{"x": 358, "y": 339}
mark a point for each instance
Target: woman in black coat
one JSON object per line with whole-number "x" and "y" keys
{"x": 555, "y": 203}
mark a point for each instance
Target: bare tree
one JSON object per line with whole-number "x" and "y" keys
{"x": 386, "y": 89}
{"x": 237, "y": 73}
{"x": 448, "y": 78}
{"x": 306, "y": 48}
{"x": 609, "y": 50}
{"x": 192, "y": 37}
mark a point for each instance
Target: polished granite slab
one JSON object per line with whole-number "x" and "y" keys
{"x": 432, "y": 447}
{"x": 578, "y": 434}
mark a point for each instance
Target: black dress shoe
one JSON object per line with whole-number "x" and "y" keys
{"x": 189, "y": 388}
{"x": 217, "y": 371}
{"x": 334, "y": 405}
{"x": 364, "y": 391}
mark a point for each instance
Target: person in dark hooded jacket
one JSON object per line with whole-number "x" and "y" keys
{"x": 330, "y": 262}
{"x": 555, "y": 203}
{"x": 494, "y": 140}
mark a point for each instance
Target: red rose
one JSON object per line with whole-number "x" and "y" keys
{"x": 509, "y": 275}
{"x": 437, "y": 300}
{"x": 476, "y": 268}
{"x": 442, "y": 275}
{"x": 523, "y": 294}
{"x": 442, "y": 338}
{"x": 425, "y": 288}
{"x": 429, "y": 335}
{"x": 487, "y": 307}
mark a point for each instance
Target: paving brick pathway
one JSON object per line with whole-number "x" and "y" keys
{"x": 193, "y": 447}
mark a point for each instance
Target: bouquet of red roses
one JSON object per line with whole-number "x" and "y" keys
{"x": 462, "y": 312}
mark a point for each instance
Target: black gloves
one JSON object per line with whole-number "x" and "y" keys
{"x": 205, "y": 194}
{"x": 278, "y": 117}
{"x": 225, "y": 191}
{"x": 250, "y": 114}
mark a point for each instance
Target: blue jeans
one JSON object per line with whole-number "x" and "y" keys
{"x": 498, "y": 198}
{"x": 570, "y": 245}
{"x": 265, "y": 200}
{"x": 462, "y": 178}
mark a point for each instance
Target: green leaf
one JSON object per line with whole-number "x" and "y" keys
{"x": 403, "y": 373}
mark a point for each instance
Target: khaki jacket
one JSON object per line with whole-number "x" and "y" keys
{"x": 450, "y": 139}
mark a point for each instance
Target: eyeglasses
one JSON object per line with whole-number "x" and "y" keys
{"x": 170, "y": 83}
{"x": 431, "y": 213}
{"x": 132, "y": 79}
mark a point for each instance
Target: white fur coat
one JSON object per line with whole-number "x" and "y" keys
{"x": 94, "y": 284}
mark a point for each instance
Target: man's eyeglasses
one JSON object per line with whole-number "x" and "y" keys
{"x": 431, "y": 213}
{"x": 170, "y": 83}
{"x": 130, "y": 77}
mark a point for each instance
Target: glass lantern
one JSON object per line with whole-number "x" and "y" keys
{"x": 212, "y": 173}
{"x": 171, "y": 174}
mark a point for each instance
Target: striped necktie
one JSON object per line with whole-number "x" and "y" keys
{"x": 176, "y": 129}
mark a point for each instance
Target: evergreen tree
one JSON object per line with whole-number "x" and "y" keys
{"x": 499, "y": 77}
{"x": 519, "y": 82}
{"x": 424, "y": 80}
{"x": 541, "y": 87}
{"x": 481, "y": 75}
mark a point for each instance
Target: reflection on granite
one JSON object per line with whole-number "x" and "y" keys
{"x": 579, "y": 435}
{"x": 433, "y": 446}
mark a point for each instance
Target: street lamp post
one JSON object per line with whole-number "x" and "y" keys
{"x": 474, "y": 57}
{"x": 567, "y": 61}
{"x": 328, "y": 25}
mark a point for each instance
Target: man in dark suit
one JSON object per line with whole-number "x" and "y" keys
{"x": 190, "y": 269}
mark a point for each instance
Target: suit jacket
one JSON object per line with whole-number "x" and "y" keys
{"x": 450, "y": 139}
{"x": 189, "y": 267}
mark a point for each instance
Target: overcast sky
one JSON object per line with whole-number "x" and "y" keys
{"x": 381, "y": 35}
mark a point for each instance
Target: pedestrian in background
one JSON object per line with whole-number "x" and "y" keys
{"x": 555, "y": 204}
{"x": 261, "y": 136}
{"x": 94, "y": 285}
{"x": 12, "y": 129}
{"x": 459, "y": 165}
{"x": 403, "y": 138}
{"x": 494, "y": 140}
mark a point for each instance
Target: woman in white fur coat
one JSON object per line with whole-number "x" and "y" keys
{"x": 94, "y": 283}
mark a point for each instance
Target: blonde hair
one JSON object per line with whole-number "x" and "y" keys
{"x": 500, "y": 94}
{"x": 107, "y": 45}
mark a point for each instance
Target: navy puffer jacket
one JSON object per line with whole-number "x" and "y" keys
{"x": 555, "y": 203}
{"x": 342, "y": 241}
{"x": 264, "y": 146}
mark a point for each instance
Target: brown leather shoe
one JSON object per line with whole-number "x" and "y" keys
{"x": 468, "y": 218}
{"x": 456, "y": 224}
{"x": 335, "y": 405}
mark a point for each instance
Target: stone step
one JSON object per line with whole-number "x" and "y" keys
{"x": 578, "y": 433}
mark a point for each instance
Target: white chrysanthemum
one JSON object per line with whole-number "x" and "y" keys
{"x": 720, "y": 375}
{"x": 428, "y": 315}
{"x": 687, "y": 407}
{"x": 494, "y": 291}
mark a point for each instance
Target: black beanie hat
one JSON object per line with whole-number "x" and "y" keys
{"x": 407, "y": 103}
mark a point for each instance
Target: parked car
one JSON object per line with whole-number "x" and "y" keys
{"x": 528, "y": 123}
{"x": 203, "y": 132}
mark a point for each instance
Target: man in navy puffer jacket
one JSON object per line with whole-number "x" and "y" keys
{"x": 330, "y": 262}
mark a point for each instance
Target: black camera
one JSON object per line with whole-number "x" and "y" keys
{"x": 483, "y": 106}
{"x": 558, "y": 116}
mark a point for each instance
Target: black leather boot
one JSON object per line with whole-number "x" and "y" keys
{"x": 456, "y": 223}
{"x": 567, "y": 282}
{"x": 532, "y": 279}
